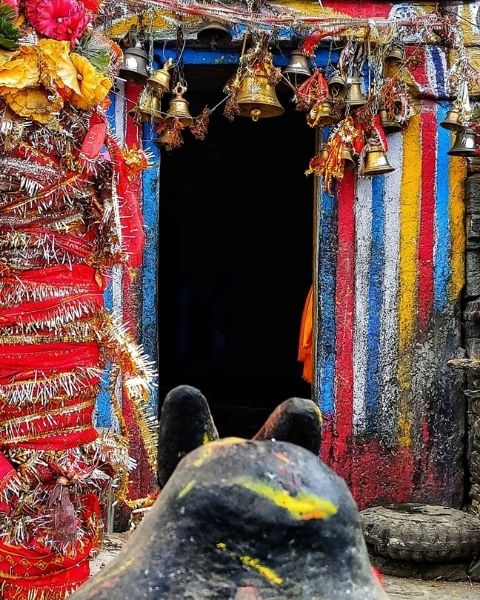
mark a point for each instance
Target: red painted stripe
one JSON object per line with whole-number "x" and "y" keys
{"x": 359, "y": 9}
{"x": 344, "y": 303}
{"x": 427, "y": 215}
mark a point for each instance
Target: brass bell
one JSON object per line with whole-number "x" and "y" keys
{"x": 354, "y": 95}
{"x": 465, "y": 143}
{"x": 257, "y": 98}
{"x": 297, "y": 67}
{"x": 395, "y": 53}
{"x": 178, "y": 107}
{"x": 388, "y": 124}
{"x": 320, "y": 114}
{"x": 452, "y": 120}
{"x": 214, "y": 34}
{"x": 346, "y": 155}
{"x": 337, "y": 85}
{"x": 160, "y": 79}
{"x": 148, "y": 106}
{"x": 134, "y": 66}
{"x": 376, "y": 161}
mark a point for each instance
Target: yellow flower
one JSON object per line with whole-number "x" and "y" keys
{"x": 22, "y": 71}
{"x": 35, "y": 103}
{"x": 57, "y": 65}
{"x": 93, "y": 85}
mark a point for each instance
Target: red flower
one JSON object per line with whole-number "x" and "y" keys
{"x": 58, "y": 19}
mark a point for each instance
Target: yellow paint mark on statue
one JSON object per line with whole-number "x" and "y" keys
{"x": 269, "y": 574}
{"x": 302, "y": 506}
{"x": 410, "y": 198}
{"x": 221, "y": 546}
{"x": 457, "y": 175}
{"x": 208, "y": 449}
{"x": 187, "y": 489}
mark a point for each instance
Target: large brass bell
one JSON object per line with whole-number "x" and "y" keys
{"x": 452, "y": 120}
{"x": 257, "y": 98}
{"x": 376, "y": 161}
{"x": 465, "y": 143}
{"x": 134, "y": 66}
{"x": 148, "y": 106}
{"x": 337, "y": 85}
{"x": 354, "y": 95}
{"x": 160, "y": 79}
{"x": 178, "y": 107}
{"x": 297, "y": 67}
{"x": 214, "y": 35}
{"x": 389, "y": 124}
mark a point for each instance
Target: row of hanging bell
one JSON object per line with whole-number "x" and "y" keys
{"x": 148, "y": 107}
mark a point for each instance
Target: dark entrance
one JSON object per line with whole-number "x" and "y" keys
{"x": 235, "y": 262}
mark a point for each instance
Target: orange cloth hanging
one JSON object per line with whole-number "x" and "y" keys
{"x": 306, "y": 337}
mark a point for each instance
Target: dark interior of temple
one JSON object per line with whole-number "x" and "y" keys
{"x": 235, "y": 261}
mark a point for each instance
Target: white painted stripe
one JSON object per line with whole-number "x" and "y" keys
{"x": 389, "y": 319}
{"x": 117, "y": 271}
{"x": 363, "y": 239}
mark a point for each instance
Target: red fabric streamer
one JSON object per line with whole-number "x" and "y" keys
{"x": 133, "y": 235}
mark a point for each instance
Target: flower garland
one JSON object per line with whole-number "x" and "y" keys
{"x": 69, "y": 211}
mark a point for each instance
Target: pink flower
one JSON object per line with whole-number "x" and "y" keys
{"x": 58, "y": 19}
{"x": 12, "y": 3}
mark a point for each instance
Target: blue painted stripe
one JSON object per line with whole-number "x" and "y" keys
{"x": 204, "y": 56}
{"x": 326, "y": 293}
{"x": 150, "y": 188}
{"x": 438, "y": 70}
{"x": 377, "y": 260}
{"x": 442, "y": 215}
{"x": 103, "y": 408}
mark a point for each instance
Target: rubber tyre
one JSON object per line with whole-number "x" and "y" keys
{"x": 420, "y": 532}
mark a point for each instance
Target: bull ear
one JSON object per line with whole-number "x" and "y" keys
{"x": 296, "y": 420}
{"x": 185, "y": 424}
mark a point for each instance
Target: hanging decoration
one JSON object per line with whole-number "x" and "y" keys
{"x": 68, "y": 213}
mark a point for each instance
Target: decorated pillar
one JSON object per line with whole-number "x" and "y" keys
{"x": 69, "y": 214}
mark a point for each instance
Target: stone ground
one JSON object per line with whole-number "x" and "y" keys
{"x": 396, "y": 587}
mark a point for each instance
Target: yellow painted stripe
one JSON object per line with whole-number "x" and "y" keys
{"x": 302, "y": 506}
{"x": 410, "y": 198}
{"x": 457, "y": 175}
{"x": 269, "y": 574}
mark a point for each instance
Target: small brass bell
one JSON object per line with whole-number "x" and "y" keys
{"x": 354, "y": 95}
{"x": 160, "y": 79}
{"x": 376, "y": 161}
{"x": 337, "y": 85}
{"x": 257, "y": 98}
{"x": 395, "y": 53}
{"x": 346, "y": 155}
{"x": 388, "y": 124}
{"x": 297, "y": 67}
{"x": 320, "y": 114}
{"x": 465, "y": 143}
{"x": 148, "y": 106}
{"x": 214, "y": 35}
{"x": 452, "y": 120}
{"x": 134, "y": 66}
{"x": 178, "y": 107}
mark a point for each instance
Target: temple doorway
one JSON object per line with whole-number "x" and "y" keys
{"x": 235, "y": 261}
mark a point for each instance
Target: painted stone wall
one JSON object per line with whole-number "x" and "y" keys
{"x": 390, "y": 277}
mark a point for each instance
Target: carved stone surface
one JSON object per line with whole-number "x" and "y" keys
{"x": 264, "y": 520}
